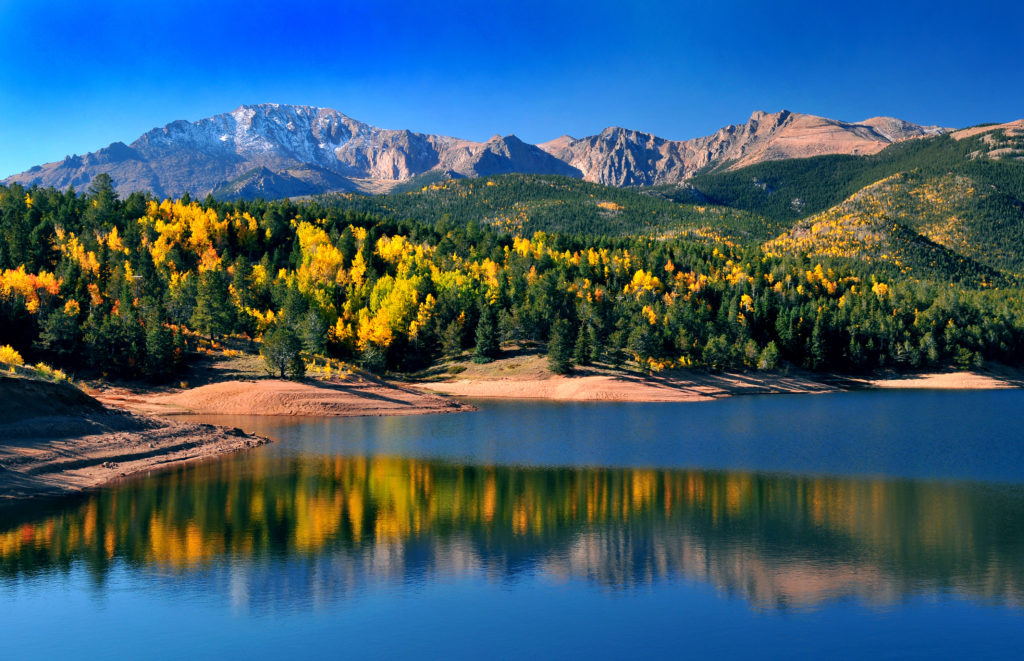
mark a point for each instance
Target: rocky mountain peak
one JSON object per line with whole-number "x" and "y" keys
{"x": 271, "y": 148}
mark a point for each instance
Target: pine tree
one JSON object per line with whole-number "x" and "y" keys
{"x": 281, "y": 351}
{"x": 583, "y": 351}
{"x": 314, "y": 333}
{"x": 214, "y": 313}
{"x": 560, "y": 347}
{"x": 642, "y": 342}
{"x": 816, "y": 353}
{"x": 59, "y": 334}
{"x": 451, "y": 340}
{"x": 487, "y": 345}
{"x": 159, "y": 363}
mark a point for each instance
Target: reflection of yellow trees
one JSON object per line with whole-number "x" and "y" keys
{"x": 305, "y": 506}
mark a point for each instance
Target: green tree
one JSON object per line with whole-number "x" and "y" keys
{"x": 487, "y": 345}
{"x": 214, "y": 313}
{"x": 560, "y": 347}
{"x": 717, "y": 353}
{"x": 60, "y": 335}
{"x": 642, "y": 342}
{"x": 281, "y": 351}
{"x": 159, "y": 363}
{"x": 583, "y": 351}
{"x": 314, "y": 333}
{"x": 769, "y": 358}
{"x": 451, "y": 340}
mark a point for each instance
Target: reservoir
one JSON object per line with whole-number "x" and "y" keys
{"x": 882, "y": 523}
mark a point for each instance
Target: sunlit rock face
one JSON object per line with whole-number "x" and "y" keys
{"x": 623, "y": 157}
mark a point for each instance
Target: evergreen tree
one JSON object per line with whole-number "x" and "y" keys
{"x": 159, "y": 364}
{"x": 241, "y": 281}
{"x": 642, "y": 342}
{"x": 179, "y": 349}
{"x": 487, "y": 345}
{"x": 560, "y": 347}
{"x": 816, "y": 353}
{"x": 214, "y": 313}
{"x": 451, "y": 340}
{"x": 60, "y": 335}
{"x": 582, "y": 353}
{"x": 181, "y": 301}
{"x": 313, "y": 333}
{"x": 281, "y": 351}
{"x": 347, "y": 246}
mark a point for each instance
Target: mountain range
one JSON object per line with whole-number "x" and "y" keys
{"x": 275, "y": 150}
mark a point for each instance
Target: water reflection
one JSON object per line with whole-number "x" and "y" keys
{"x": 285, "y": 532}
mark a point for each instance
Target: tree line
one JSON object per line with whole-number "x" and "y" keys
{"x": 124, "y": 287}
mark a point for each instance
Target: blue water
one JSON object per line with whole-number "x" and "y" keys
{"x": 881, "y": 524}
{"x": 975, "y": 435}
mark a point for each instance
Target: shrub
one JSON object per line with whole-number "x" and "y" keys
{"x": 8, "y": 356}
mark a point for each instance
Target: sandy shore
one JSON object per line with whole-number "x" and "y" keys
{"x": 55, "y": 440}
{"x": 278, "y": 397}
{"x": 950, "y": 381}
{"x": 628, "y": 388}
{"x": 526, "y": 377}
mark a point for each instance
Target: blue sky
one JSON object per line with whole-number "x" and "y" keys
{"x": 77, "y": 76}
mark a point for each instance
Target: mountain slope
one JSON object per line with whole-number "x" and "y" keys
{"x": 621, "y": 157}
{"x": 795, "y": 188}
{"x": 200, "y": 157}
{"x": 908, "y": 222}
{"x": 332, "y": 152}
{"x": 524, "y": 204}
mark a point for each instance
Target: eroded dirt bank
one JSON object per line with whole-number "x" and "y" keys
{"x": 55, "y": 440}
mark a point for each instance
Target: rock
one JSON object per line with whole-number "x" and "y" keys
{"x": 271, "y": 150}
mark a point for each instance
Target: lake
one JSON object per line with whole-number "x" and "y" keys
{"x": 885, "y": 524}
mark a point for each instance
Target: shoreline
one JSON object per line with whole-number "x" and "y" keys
{"x": 56, "y": 440}
{"x": 63, "y": 455}
{"x": 59, "y": 441}
{"x": 276, "y": 397}
{"x": 526, "y": 377}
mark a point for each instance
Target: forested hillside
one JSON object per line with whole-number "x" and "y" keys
{"x": 524, "y": 204}
{"x": 91, "y": 282}
{"x": 936, "y": 208}
{"x": 789, "y": 190}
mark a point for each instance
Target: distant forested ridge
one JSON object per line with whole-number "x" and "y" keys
{"x": 92, "y": 282}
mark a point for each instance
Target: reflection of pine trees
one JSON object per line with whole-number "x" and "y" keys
{"x": 765, "y": 536}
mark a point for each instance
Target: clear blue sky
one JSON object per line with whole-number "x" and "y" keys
{"x": 76, "y": 76}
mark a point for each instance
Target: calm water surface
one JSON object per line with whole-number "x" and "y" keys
{"x": 874, "y": 523}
